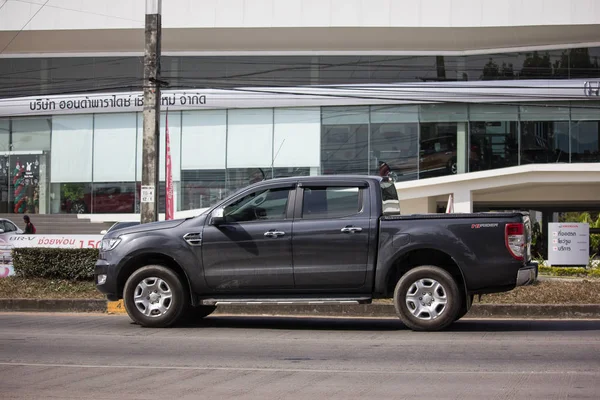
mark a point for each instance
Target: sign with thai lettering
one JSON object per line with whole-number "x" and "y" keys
{"x": 10, "y": 241}
{"x": 568, "y": 243}
{"x": 308, "y": 96}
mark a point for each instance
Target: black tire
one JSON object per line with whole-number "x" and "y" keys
{"x": 452, "y": 166}
{"x": 447, "y": 314}
{"x": 466, "y": 306}
{"x": 177, "y": 305}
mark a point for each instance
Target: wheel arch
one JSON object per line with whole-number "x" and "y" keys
{"x": 423, "y": 256}
{"x": 153, "y": 258}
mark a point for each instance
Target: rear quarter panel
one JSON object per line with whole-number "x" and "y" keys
{"x": 474, "y": 241}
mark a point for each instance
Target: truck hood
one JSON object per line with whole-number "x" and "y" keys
{"x": 152, "y": 226}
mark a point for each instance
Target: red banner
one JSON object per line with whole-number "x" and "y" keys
{"x": 170, "y": 207}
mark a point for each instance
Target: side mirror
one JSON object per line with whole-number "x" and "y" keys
{"x": 1, "y": 230}
{"x": 217, "y": 217}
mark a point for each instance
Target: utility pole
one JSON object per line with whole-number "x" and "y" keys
{"x": 150, "y": 144}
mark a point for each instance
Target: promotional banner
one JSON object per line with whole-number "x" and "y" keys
{"x": 10, "y": 241}
{"x": 170, "y": 208}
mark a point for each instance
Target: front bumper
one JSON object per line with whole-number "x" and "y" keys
{"x": 528, "y": 274}
{"x": 109, "y": 287}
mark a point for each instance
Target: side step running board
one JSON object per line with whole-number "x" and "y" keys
{"x": 284, "y": 301}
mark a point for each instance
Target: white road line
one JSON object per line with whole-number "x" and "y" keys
{"x": 307, "y": 370}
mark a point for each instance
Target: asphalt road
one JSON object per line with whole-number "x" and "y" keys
{"x": 94, "y": 356}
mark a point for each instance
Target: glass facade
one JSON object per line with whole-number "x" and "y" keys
{"x": 91, "y": 163}
{"x": 43, "y": 76}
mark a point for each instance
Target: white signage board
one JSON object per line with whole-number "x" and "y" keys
{"x": 10, "y": 241}
{"x": 147, "y": 194}
{"x": 568, "y": 243}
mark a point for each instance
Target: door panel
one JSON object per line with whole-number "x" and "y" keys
{"x": 240, "y": 256}
{"x": 331, "y": 239}
{"x": 252, "y": 249}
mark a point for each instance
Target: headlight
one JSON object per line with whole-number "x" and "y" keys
{"x": 109, "y": 244}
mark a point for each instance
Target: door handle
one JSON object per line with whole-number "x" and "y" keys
{"x": 274, "y": 233}
{"x": 351, "y": 229}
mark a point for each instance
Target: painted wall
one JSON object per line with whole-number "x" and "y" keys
{"x": 127, "y": 14}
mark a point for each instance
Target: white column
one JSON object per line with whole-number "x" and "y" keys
{"x": 43, "y": 179}
{"x": 462, "y": 141}
{"x": 314, "y": 171}
{"x": 463, "y": 201}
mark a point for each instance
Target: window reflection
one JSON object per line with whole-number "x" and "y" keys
{"x": 114, "y": 197}
{"x": 344, "y": 140}
{"x": 438, "y": 149}
{"x": 494, "y": 144}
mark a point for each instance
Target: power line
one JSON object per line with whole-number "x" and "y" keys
{"x": 27, "y": 23}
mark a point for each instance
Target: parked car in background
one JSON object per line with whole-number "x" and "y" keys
{"x": 7, "y": 226}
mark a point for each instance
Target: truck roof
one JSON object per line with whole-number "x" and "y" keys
{"x": 329, "y": 178}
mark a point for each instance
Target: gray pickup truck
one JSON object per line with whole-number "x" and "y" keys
{"x": 315, "y": 240}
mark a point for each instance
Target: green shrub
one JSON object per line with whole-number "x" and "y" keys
{"x": 569, "y": 271}
{"x": 70, "y": 264}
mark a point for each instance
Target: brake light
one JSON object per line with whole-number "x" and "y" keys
{"x": 514, "y": 235}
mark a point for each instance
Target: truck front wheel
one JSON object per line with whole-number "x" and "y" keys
{"x": 155, "y": 297}
{"x": 427, "y": 298}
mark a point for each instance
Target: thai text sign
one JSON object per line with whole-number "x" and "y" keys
{"x": 568, "y": 243}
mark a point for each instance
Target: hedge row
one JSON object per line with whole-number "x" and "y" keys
{"x": 78, "y": 265}
{"x": 570, "y": 271}
{"x": 69, "y": 264}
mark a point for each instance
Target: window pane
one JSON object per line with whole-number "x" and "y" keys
{"x": 438, "y": 149}
{"x": 71, "y": 198}
{"x": 114, "y": 147}
{"x": 262, "y": 205}
{"x": 394, "y": 142}
{"x": 297, "y": 135}
{"x": 344, "y": 140}
{"x": 117, "y": 197}
{"x": 31, "y": 134}
{"x": 494, "y": 138}
{"x": 4, "y": 134}
{"x": 250, "y": 138}
{"x": 544, "y": 134}
{"x": 204, "y": 137}
{"x": 331, "y": 202}
{"x": 585, "y": 139}
{"x": 202, "y": 188}
{"x": 72, "y": 148}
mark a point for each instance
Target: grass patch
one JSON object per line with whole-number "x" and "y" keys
{"x": 37, "y": 288}
{"x": 546, "y": 292}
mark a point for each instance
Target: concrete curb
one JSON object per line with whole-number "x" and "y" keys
{"x": 66, "y": 305}
{"x": 378, "y": 310}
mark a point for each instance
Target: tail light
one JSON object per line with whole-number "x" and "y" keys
{"x": 514, "y": 235}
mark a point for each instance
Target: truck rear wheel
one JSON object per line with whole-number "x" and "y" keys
{"x": 155, "y": 297}
{"x": 427, "y": 298}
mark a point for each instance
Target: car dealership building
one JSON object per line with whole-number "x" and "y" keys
{"x": 495, "y": 103}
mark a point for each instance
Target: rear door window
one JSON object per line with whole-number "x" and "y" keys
{"x": 330, "y": 202}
